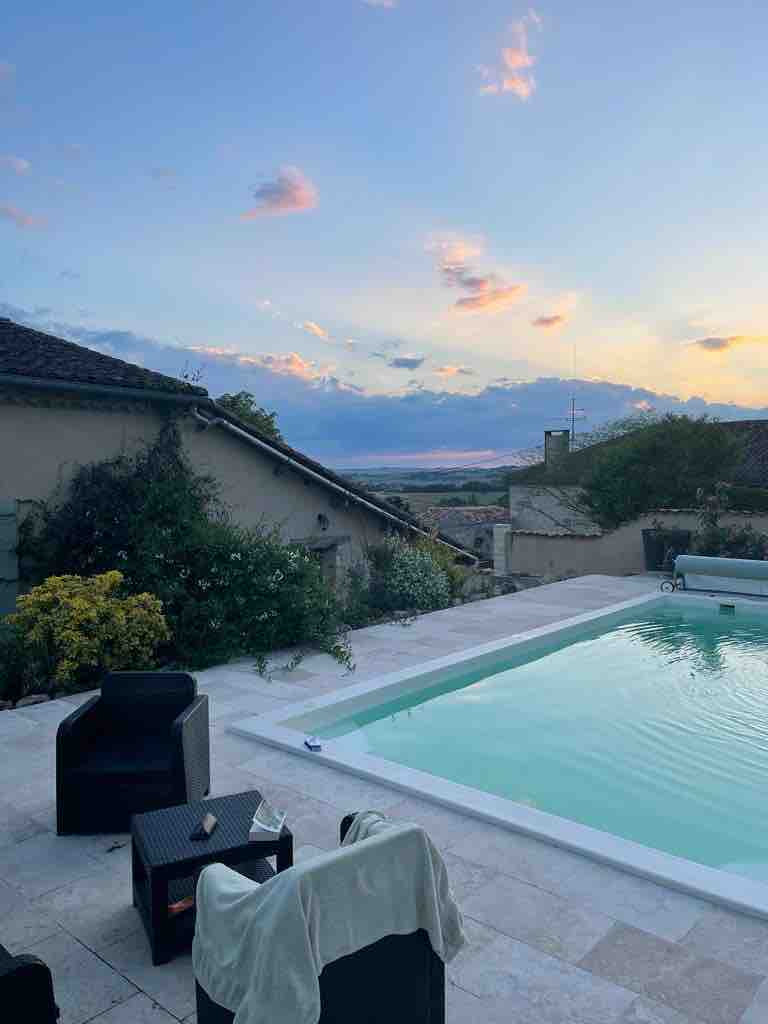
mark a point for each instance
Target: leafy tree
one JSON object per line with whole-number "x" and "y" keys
{"x": 243, "y": 405}
{"x": 661, "y": 465}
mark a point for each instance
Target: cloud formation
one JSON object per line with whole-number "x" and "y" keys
{"x": 338, "y": 423}
{"x": 492, "y": 300}
{"x": 20, "y": 218}
{"x": 388, "y": 4}
{"x": 70, "y": 275}
{"x": 513, "y": 73}
{"x": 730, "y": 341}
{"x": 549, "y": 323}
{"x": 453, "y": 371}
{"x": 290, "y": 192}
{"x": 312, "y": 328}
{"x": 7, "y": 71}
{"x": 487, "y": 293}
{"x": 15, "y": 163}
{"x": 290, "y": 364}
{"x": 406, "y": 362}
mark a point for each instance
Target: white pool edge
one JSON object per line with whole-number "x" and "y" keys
{"x": 730, "y": 890}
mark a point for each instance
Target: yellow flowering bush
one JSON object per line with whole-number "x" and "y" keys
{"x": 75, "y": 628}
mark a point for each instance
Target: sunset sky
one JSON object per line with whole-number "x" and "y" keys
{"x": 413, "y": 227}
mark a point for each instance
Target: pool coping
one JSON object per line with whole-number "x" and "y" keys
{"x": 734, "y": 891}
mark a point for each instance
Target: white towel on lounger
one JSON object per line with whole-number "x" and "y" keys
{"x": 259, "y": 949}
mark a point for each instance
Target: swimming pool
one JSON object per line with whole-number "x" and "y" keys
{"x": 638, "y": 735}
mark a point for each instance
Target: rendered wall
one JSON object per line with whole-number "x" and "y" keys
{"x": 618, "y": 553}
{"x": 43, "y": 444}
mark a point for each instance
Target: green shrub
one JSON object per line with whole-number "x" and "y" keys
{"x": 405, "y": 577}
{"x": 445, "y": 559}
{"x": 225, "y": 591}
{"x": 73, "y": 629}
{"x": 736, "y": 541}
{"x": 17, "y": 676}
{"x": 230, "y": 591}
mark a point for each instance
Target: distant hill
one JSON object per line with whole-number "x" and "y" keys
{"x": 469, "y": 478}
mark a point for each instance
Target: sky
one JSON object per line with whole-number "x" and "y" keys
{"x": 414, "y": 228}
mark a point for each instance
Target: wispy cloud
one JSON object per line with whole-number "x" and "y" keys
{"x": 453, "y": 371}
{"x": 20, "y": 218}
{"x": 388, "y": 4}
{"x": 406, "y": 362}
{"x": 290, "y": 192}
{"x": 73, "y": 150}
{"x": 15, "y": 163}
{"x": 492, "y": 301}
{"x": 513, "y": 73}
{"x": 487, "y": 293}
{"x": 70, "y": 275}
{"x": 7, "y": 71}
{"x": 290, "y": 364}
{"x": 728, "y": 342}
{"x": 549, "y": 323}
{"x": 313, "y": 328}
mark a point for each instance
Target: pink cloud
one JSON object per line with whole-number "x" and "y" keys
{"x": 7, "y": 71}
{"x": 550, "y": 323}
{"x": 492, "y": 301}
{"x": 453, "y": 371}
{"x": 487, "y": 292}
{"x": 290, "y": 192}
{"x": 312, "y": 328}
{"x": 513, "y": 74}
{"x": 16, "y": 163}
{"x": 20, "y": 218}
{"x": 521, "y": 85}
{"x": 291, "y": 365}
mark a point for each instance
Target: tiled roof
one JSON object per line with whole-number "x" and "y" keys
{"x": 464, "y": 515}
{"x": 25, "y": 352}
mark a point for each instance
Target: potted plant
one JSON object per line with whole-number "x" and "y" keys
{"x": 661, "y": 544}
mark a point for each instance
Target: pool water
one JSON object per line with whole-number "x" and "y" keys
{"x": 655, "y": 729}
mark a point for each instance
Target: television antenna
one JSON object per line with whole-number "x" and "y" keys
{"x": 575, "y": 415}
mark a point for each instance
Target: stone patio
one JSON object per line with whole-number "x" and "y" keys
{"x": 554, "y": 937}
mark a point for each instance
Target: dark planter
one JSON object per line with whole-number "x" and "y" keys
{"x": 661, "y": 546}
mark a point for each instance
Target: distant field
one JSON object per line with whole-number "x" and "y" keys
{"x": 420, "y": 500}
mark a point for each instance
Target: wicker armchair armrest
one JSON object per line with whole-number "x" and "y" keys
{"x": 26, "y": 986}
{"x": 72, "y": 736}
{"x": 192, "y": 751}
{"x": 83, "y": 723}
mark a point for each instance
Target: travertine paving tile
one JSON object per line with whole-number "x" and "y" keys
{"x": 538, "y": 918}
{"x": 703, "y": 988}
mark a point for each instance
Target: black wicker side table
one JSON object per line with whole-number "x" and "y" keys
{"x": 166, "y": 862}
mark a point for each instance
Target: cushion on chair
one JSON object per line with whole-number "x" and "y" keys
{"x": 127, "y": 755}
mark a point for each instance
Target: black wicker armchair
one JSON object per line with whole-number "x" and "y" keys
{"x": 142, "y": 744}
{"x": 397, "y": 979}
{"x": 26, "y": 989}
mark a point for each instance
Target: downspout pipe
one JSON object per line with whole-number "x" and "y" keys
{"x": 275, "y": 453}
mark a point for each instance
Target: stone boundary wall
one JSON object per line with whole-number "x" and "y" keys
{"x": 615, "y": 553}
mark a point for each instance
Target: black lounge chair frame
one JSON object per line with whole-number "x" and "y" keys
{"x": 399, "y": 980}
{"x": 26, "y": 989}
{"x": 143, "y": 743}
